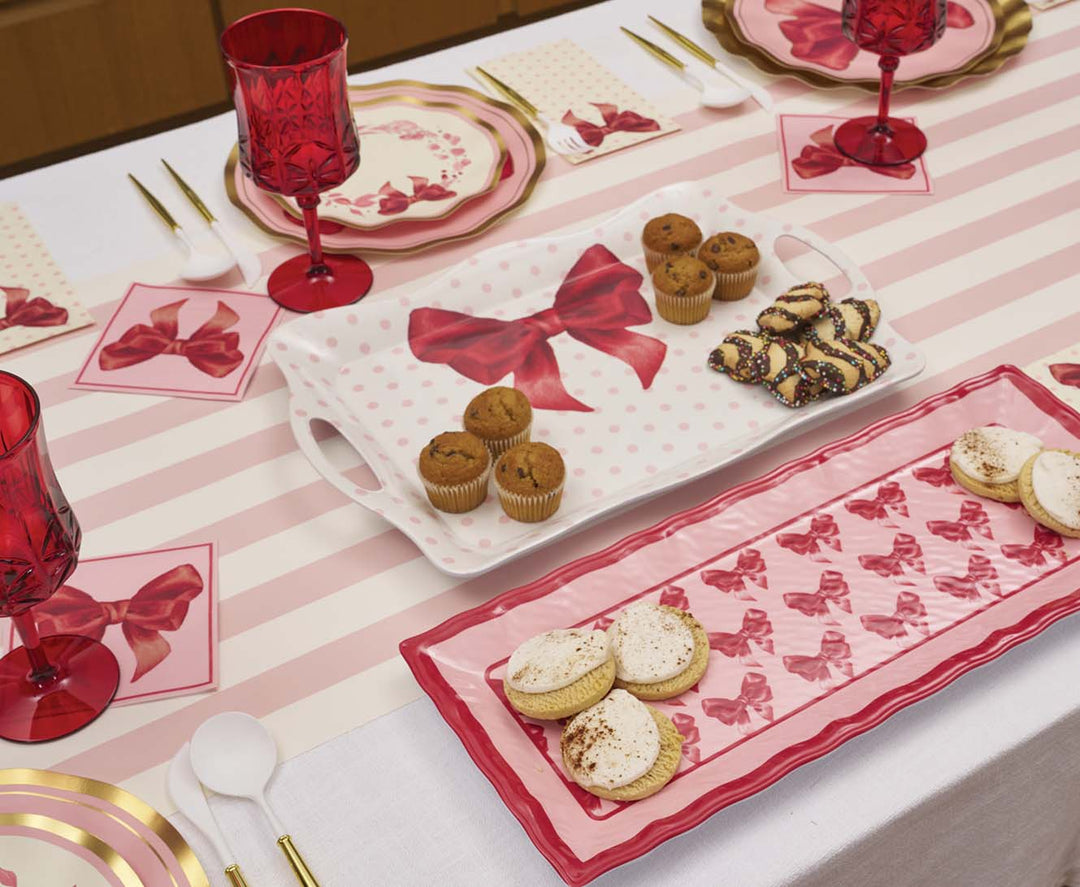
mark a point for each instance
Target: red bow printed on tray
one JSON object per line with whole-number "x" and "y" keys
{"x": 823, "y": 531}
{"x": 756, "y": 629}
{"x": 393, "y": 201}
{"x": 596, "y": 303}
{"x": 210, "y": 349}
{"x": 816, "y": 35}
{"x": 1066, "y": 374}
{"x": 821, "y": 157}
{"x": 755, "y": 696}
{"x": 832, "y": 589}
{"x": 24, "y": 311}
{"x": 910, "y": 613}
{"x": 980, "y": 575}
{"x": 890, "y": 498}
{"x": 160, "y": 605}
{"x": 749, "y": 568}
{"x": 973, "y": 519}
{"x": 614, "y": 121}
{"x": 691, "y": 736}
{"x": 1047, "y": 545}
{"x": 835, "y": 653}
{"x": 906, "y": 552}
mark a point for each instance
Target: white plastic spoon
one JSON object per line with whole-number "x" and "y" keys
{"x": 233, "y": 754}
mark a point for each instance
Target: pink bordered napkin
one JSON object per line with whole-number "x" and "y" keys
{"x": 569, "y": 85}
{"x": 1060, "y": 372}
{"x": 36, "y": 301}
{"x": 156, "y": 610}
{"x": 810, "y": 162}
{"x": 180, "y": 342}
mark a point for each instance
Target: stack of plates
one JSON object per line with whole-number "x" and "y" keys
{"x": 437, "y": 163}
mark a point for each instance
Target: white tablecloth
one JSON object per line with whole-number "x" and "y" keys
{"x": 975, "y": 786}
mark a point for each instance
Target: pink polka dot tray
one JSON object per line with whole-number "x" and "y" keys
{"x": 570, "y": 320}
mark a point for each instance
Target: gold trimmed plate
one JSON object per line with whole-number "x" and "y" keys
{"x": 128, "y": 842}
{"x": 1011, "y": 20}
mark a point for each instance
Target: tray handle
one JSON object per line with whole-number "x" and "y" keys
{"x": 860, "y": 286}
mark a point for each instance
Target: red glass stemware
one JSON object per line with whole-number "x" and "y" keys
{"x": 53, "y": 686}
{"x": 890, "y": 28}
{"x": 297, "y": 137}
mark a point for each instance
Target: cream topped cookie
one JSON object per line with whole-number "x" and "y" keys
{"x": 555, "y": 659}
{"x": 1055, "y": 481}
{"x": 992, "y": 454}
{"x": 612, "y": 743}
{"x": 650, "y": 643}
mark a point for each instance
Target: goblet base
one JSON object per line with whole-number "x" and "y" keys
{"x": 87, "y": 676}
{"x": 292, "y": 285}
{"x": 893, "y": 144}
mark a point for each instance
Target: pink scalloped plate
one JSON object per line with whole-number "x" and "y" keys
{"x": 836, "y": 590}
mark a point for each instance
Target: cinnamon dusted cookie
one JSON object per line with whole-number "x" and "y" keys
{"x": 795, "y": 308}
{"x": 851, "y": 319}
{"x": 987, "y": 461}
{"x": 741, "y": 355}
{"x": 844, "y": 365}
{"x": 1049, "y": 486}
{"x": 660, "y": 651}
{"x": 559, "y": 673}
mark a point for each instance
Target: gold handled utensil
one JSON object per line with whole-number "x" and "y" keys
{"x": 710, "y": 94}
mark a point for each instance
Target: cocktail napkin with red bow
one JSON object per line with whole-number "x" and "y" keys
{"x": 811, "y": 163}
{"x": 570, "y": 86}
{"x": 36, "y": 301}
{"x": 181, "y": 342}
{"x": 156, "y": 610}
{"x": 1060, "y": 372}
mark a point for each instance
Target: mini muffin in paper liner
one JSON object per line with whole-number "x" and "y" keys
{"x": 684, "y": 310}
{"x": 458, "y": 498}
{"x": 734, "y": 285}
{"x": 654, "y": 257}
{"x": 500, "y": 446}
{"x": 530, "y": 508}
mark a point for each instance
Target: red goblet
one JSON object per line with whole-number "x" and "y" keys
{"x": 53, "y": 686}
{"x": 297, "y": 137}
{"x": 890, "y": 28}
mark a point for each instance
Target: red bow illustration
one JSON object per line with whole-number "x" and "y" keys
{"x": 8, "y": 879}
{"x": 597, "y": 301}
{"x": 816, "y": 36}
{"x": 756, "y": 629}
{"x": 910, "y": 613}
{"x": 1047, "y": 544}
{"x": 832, "y": 589}
{"x": 1066, "y": 373}
{"x": 905, "y": 552}
{"x": 673, "y": 596}
{"x": 835, "y": 653}
{"x": 210, "y": 349}
{"x": 749, "y": 568}
{"x": 755, "y": 696}
{"x": 394, "y": 201}
{"x": 160, "y": 605}
{"x": 821, "y": 157}
{"x": 691, "y": 736}
{"x": 980, "y": 574}
{"x": 614, "y": 121}
{"x": 823, "y": 531}
{"x": 22, "y": 311}
{"x": 889, "y": 498}
{"x": 973, "y": 518}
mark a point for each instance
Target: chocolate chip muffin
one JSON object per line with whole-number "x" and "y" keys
{"x": 667, "y": 236}
{"x": 500, "y": 417}
{"x": 734, "y": 258}
{"x": 684, "y": 289}
{"x": 454, "y": 468}
{"x": 529, "y": 479}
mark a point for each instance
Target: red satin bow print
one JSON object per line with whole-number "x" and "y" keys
{"x": 393, "y": 201}
{"x": 673, "y": 596}
{"x": 821, "y": 157}
{"x": 980, "y": 575}
{"x": 1047, "y": 544}
{"x": 749, "y": 568}
{"x": 906, "y": 552}
{"x": 596, "y": 303}
{"x": 24, "y": 311}
{"x": 816, "y": 35}
{"x": 889, "y": 498}
{"x": 8, "y": 879}
{"x": 936, "y": 477}
{"x": 691, "y": 736}
{"x": 973, "y": 518}
{"x": 1066, "y": 374}
{"x": 910, "y": 613}
{"x": 160, "y": 605}
{"x": 756, "y": 629}
{"x": 614, "y": 121}
{"x": 755, "y": 696}
{"x": 823, "y": 531}
{"x": 210, "y": 349}
{"x": 835, "y": 653}
{"x": 832, "y": 589}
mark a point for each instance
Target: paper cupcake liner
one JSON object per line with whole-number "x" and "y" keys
{"x": 684, "y": 310}
{"x": 530, "y": 508}
{"x": 458, "y": 498}
{"x": 654, "y": 258}
{"x": 500, "y": 446}
{"x": 734, "y": 285}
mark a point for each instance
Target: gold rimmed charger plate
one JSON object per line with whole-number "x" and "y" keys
{"x": 493, "y": 179}
{"x": 1012, "y": 22}
{"x": 20, "y": 781}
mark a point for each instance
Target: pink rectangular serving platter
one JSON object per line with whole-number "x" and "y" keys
{"x": 836, "y": 590}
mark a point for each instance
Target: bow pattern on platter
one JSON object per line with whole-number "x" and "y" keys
{"x": 973, "y": 519}
{"x": 823, "y": 531}
{"x": 906, "y": 552}
{"x": 910, "y": 612}
{"x": 890, "y": 498}
{"x": 832, "y": 589}
{"x": 754, "y": 696}
{"x": 835, "y": 653}
{"x": 750, "y": 567}
{"x": 756, "y": 629}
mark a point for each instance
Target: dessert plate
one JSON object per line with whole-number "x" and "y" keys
{"x": 836, "y": 590}
{"x": 626, "y": 396}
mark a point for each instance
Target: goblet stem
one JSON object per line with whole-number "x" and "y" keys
{"x": 41, "y": 671}
{"x": 308, "y": 203}
{"x": 888, "y": 65}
